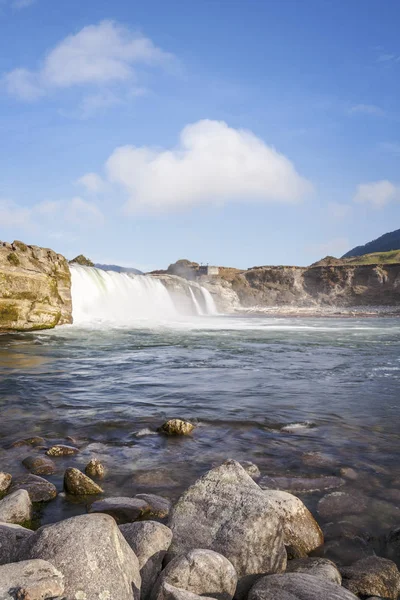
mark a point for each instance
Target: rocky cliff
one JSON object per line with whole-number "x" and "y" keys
{"x": 35, "y": 288}
{"x": 338, "y": 285}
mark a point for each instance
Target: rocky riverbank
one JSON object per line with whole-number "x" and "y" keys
{"x": 234, "y": 533}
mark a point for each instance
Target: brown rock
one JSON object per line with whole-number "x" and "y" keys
{"x": 5, "y": 481}
{"x": 78, "y": 484}
{"x": 61, "y": 450}
{"x": 95, "y": 469}
{"x": 39, "y": 465}
{"x": 176, "y": 427}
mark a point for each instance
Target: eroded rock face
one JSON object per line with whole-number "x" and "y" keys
{"x": 91, "y": 552}
{"x": 302, "y": 533}
{"x": 226, "y": 511}
{"x": 30, "y": 580}
{"x": 11, "y": 537}
{"x": 201, "y": 572}
{"x": 16, "y": 508}
{"x": 149, "y": 541}
{"x": 372, "y": 576}
{"x": 35, "y": 288}
{"x": 318, "y": 567}
{"x": 79, "y": 484}
{"x": 298, "y": 586}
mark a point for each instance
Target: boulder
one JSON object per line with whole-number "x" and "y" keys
{"x": 78, "y": 484}
{"x": 16, "y": 508}
{"x": 149, "y": 541}
{"x": 176, "y": 427}
{"x": 11, "y": 536}
{"x": 372, "y": 576}
{"x": 201, "y": 572}
{"x": 345, "y": 551}
{"x": 39, "y": 465}
{"x": 95, "y": 469}
{"x": 93, "y": 556}
{"x": 158, "y": 507}
{"x": 39, "y": 489}
{"x": 5, "y": 482}
{"x": 122, "y": 509}
{"x": 170, "y": 592}
{"x": 62, "y": 450}
{"x": 302, "y": 533}
{"x": 298, "y": 586}
{"x": 30, "y": 580}
{"x": 226, "y": 511}
{"x": 338, "y": 504}
{"x": 318, "y": 567}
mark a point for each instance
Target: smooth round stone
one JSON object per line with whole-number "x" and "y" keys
{"x": 39, "y": 489}
{"x": 122, "y": 509}
{"x": 61, "y": 450}
{"x": 176, "y": 427}
{"x": 39, "y": 465}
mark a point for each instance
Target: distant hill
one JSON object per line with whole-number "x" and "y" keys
{"x": 385, "y": 243}
{"x": 375, "y": 258}
{"x": 118, "y": 269}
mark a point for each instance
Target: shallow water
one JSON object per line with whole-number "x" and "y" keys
{"x": 242, "y": 380}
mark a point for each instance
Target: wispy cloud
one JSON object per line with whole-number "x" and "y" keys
{"x": 377, "y": 194}
{"x": 367, "y": 109}
{"x": 212, "y": 164}
{"x": 98, "y": 55}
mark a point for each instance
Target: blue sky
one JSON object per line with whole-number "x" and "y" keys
{"x": 234, "y": 132}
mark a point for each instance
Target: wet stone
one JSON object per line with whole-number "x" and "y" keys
{"x": 157, "y": 506}
{"x": 338, "y": 504}
{"x": 301, "y": 484}
{"x": 95, "y": 469}
{"x": 251, "y": 469}
{"x": 122, "y": 509}
{"x": 5, "y": 481}
{"x": 39, "y": 489}
{"x": 32, "y": 441}
{"x": 373, "y": 576}
{"x": 39, "y": 465}
{"x": 61, "y": 450}
{"x": 176, "y": 427}
{"x": 79, "y": 484}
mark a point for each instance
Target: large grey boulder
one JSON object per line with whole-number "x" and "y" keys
{"x": 11, "y": 537}
{"x": 302, "y": 533}
{"x": 39, "y": 489}
{"x": 298, "y": 586}
{"x": 16, "y": 508}
{"x": 5, "y": 481}
{"x": 373, "y": 576}
{"x": 122, "y": 509}
{"x": 201, "y": 572}
{"x": 170, "y": 592}
{"x": 93, "y": 556}
{"x": 30, "y": 580}
{"x": 227, "y": 512}
{"x": 318, "y": 567}
{"x": 149, "y": 541}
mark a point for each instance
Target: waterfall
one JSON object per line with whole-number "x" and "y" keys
{"x": 124, "y": 298}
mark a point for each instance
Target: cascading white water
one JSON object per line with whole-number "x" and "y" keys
{"x": 109, "y": 297}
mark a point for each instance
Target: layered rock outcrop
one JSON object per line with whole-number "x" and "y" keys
{"x": 35, "y": 288}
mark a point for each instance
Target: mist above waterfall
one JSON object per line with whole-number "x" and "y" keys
{"x": 124, "y": 298}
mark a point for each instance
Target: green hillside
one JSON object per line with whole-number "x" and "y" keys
{"x": 375, "y": 258}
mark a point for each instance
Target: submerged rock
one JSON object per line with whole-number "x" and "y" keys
{"x": 5, "y": 481}
{"x": 302, "y": 533}
{"x": 149, "y": 541}
{"x": 176, "y": 427}
{"x": 298, "y": 586}
{"x": 39, "y": 489}
{"x": 373, "y": 576}
{"x": 91, "y": 552}
{"x": 318, "y": 567}
{"x": 61, "y": 450}
{"x": 122, "y": 509}
{"x": 95, "y": 469}
{"x": 16, "y": 508}
{"x": 39, "y": 465}
{"x": 32, "y": 441}
{"x": 201, "y": 572}
{"x": 251, "y": 469}
{"x": 11, "y": 536}
{"x": 338, "y": 504}
{"x": 157, "y": 506}
{"x": 30, "y": 580}
{"x": 301, "y": 484}
{"x": 78, "y": 484}
{"x": 226, "y": 511}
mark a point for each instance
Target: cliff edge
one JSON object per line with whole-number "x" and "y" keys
{"x": 35, "y": 288}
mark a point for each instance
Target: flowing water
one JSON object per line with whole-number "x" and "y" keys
{"x": 297, "y": 396}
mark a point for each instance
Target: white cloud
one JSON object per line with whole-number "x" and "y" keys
{"x": 78, "y": 209}
{"x": 101, "y": 54}
{"x": 212, "y": 164}
{"x": 377, "y": 193}
{"x": 338, "y": 210}
{"x": 367, "y": 109}
{"x": 92, "y": 182}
